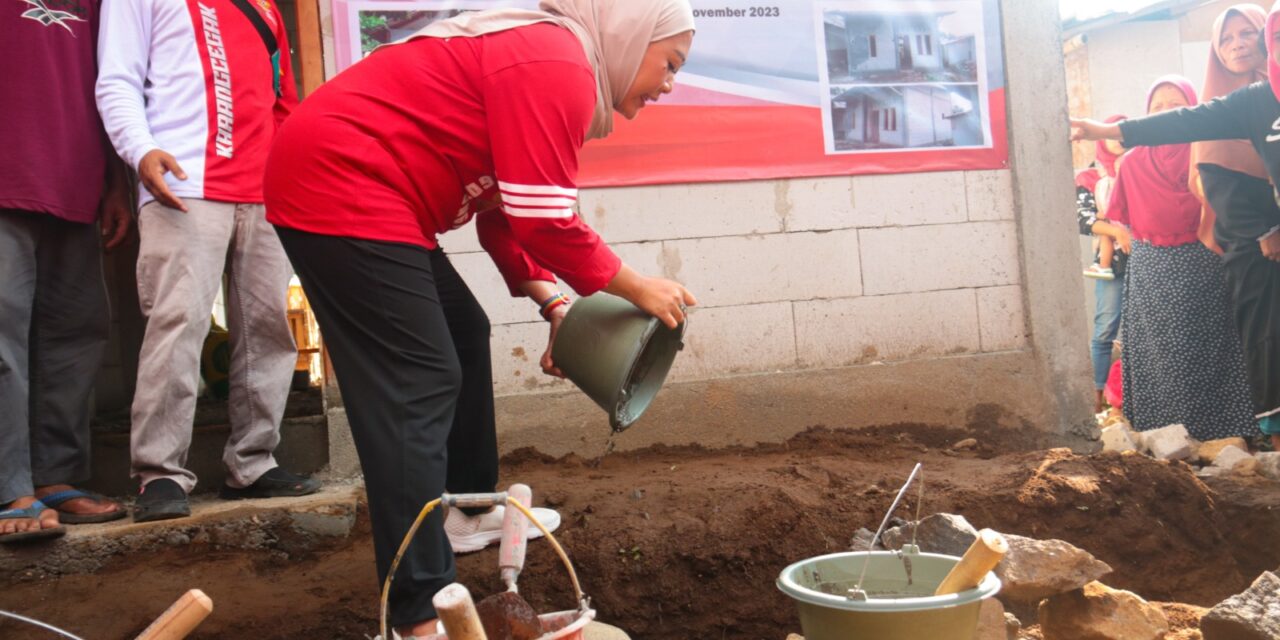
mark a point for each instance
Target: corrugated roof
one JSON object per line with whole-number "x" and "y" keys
{"x": 1166, "y": 9}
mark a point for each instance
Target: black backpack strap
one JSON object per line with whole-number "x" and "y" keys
{"x": 268, "y": 39}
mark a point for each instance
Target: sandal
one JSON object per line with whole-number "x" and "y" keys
{"x": 53, "y": 500}
{"x": 29, "y": 513}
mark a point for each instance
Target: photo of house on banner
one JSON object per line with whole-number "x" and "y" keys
{"x": 904, "y": 43}
{"x": 903, "y": 117}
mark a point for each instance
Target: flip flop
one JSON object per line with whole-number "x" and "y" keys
{"x": 54, "y": 500}
{"x": 29, "y": 513}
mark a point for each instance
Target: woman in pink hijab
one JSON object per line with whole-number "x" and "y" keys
{"x": 1250, "y": 113}
{"x": 480, "y": 117}
{"x": 1182, "y": 359}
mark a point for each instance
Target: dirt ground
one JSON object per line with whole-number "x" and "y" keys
{"x": 687, "y": 543}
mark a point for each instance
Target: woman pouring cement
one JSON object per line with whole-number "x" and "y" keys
{"x": 478, "y": 117}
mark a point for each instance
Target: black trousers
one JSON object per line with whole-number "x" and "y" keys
{"x": 410, "y": 349}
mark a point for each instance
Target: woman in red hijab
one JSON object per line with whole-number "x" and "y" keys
{"x": 1182, "y": 359}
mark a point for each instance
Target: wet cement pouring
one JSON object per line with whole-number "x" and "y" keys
{"x": 687, "y": 543}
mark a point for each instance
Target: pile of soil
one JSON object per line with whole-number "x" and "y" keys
{"x": 687, "y": 543}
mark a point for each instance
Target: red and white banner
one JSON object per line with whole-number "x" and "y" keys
{"x": 798, "y": 88}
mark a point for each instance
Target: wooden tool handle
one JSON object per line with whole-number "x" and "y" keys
{"x": 457, "y": 613}
{"x": 181, "y": 618}
{"x": 983, "y": 555}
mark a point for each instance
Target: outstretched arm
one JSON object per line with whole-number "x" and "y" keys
{"x": 1224, "y": 118}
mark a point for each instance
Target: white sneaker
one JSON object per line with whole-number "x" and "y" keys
{"x": 473, "y": 533}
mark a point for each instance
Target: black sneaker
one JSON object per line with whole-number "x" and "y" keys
{"x": 161, "y": 499}
{"x": 276, "y": 483}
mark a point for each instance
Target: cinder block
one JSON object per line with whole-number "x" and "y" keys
{"x": 989, "y": 194}
{"x": 1269, "y": 464}
{"x": 936, "y": 257}
{"x": 482, "y": 277}
{"x": 755, "y": 269}
{"x": 629, "y": 214}
{"x": 460, "y": 241}
{"x": 822, "y": 204}
{"x": 1000, "y": 316}
{"x": 910, "y": 199}
{"x": 1117, "y": 437}
{"x": 515, "y": 351}
{"x": 1207, "y": 452}
{"x": 1169, "y": 443}
{"x": 732, "y": 340}
{"x": 867, "y": 329}
{"x": 1235, "y": 460}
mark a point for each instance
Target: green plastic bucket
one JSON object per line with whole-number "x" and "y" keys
{"x": 897, "y": 607}
{"x": 617, "y": 354}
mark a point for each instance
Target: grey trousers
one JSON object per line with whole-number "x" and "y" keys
{"x": 54, "y": 321}
{"x": 181, "y": 261}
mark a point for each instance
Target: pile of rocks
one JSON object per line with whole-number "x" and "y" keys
{"x": 1228, "y": 456}
{"x": 1057, "y": 585}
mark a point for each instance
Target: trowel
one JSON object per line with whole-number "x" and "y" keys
{"x": 506, "y": 614}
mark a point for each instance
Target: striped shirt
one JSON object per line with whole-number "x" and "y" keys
{"x": 193, "y": 78}
{"x": 423, "y": 137}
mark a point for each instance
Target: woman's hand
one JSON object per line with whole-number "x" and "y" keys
{"x": 1271, "y": 246}
{"x": 663, "y": 299}
{"x": 1086, "y": 129}
{"x": 556, "y": 319}
{"x": 1124, "y": 239}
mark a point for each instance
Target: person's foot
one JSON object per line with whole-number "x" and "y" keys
{"x": 276, "y": 483}
{"x": 1099, "y": 402}
{"x": 1275, "y": 442}
{"x": 19, "y": 521}
{"x": 473, "y": 533}
{"x": 79, "y": 507}
{"x": 161, "y": 499}
{"x": 1099, "y": 272}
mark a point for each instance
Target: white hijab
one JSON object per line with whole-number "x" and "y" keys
{"x": 614, "y": 34}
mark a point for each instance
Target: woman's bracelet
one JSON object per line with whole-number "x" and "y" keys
{"x": 547, "y": 306}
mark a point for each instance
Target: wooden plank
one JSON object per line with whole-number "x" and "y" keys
{"x": 309, "y": 62}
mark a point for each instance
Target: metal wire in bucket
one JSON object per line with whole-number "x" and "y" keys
{"x": 43, "y": 625}
{"x": 857, "y": 593}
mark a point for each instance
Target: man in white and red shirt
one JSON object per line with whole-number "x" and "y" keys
{"x": 191, "y": 93}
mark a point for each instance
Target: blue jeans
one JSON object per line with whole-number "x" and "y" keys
{"x": 1106, "y": 325}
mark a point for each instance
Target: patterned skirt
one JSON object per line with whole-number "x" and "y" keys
{"x": 1183, "y": 363}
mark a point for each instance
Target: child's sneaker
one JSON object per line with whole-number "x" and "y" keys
{"x": 1098, "y": 272}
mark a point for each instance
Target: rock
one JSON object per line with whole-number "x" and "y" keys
{"x": 1012, "y": 626}
{"x": 1118, "y": 437}
{"x": 1208, "y": 451}
{"x": 967, "y": 443}
{"x": 939, "y": 533}
{"x": 1269, "y": 464}
{"x": 1252, "y": 614}
{"x": 1036, "y": 569}
{"x": 1234, "y": 460}
{"x": 1098, "y": 612}
{"x": 1169, "y": 443}
{"x": 993, "y": 622}
{"x": 862, "y": 540}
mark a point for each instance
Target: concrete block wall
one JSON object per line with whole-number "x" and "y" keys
{"x": 797, "y": 274}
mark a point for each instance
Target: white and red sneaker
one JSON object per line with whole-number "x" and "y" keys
{"x": 473, "y": 533}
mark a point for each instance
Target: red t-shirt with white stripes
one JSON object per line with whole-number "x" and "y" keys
{"x": 421, "y": 137}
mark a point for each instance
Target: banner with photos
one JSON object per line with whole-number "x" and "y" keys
{"x": 797, "y": 88}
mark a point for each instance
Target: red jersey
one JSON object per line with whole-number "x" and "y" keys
{"x": 420, "y": 137}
